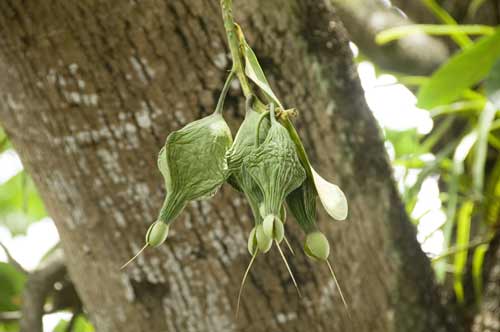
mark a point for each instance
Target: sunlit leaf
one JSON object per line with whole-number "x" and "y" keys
{"x": 405, "y": 142}
{"x": 461, "y": 106}
{"x": 81, "y": 324}
{"x": 463, "y": 236}
{"x": 492, "y": 90}
{"x": 483, "y": 128}
{"x": 460, "y": 72}
{"x": 11, "y": 285}
{"x": 4, "y": 141}
{"x": 461, "y": 152}
{"x": 20, "y": 204}
{"x": 398, "y": 32}
{"x": 477, "y": 269}
{"x": 462, "y": 40}
{"x": 492, "y": 197}
{"x": 492, "y": 85}
{"x": 9, "y": 326}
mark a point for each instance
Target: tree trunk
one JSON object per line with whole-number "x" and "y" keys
{"x": 90, "y": 89}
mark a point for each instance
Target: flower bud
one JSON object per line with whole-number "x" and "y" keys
{"x": 264, "y": 242}
{"x": 157, "y": 234}
{"x": 252, "y": 242}
{"x": 273, "y": 228}
{"x": 317, "y": 246}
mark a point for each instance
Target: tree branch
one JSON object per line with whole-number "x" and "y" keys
{"x": 38, "y": 286}
{"x": 416, "y": 54}
{"x": 10, "y": 316}
{"x": 12, "y": 261}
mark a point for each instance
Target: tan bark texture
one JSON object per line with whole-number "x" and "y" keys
{"x": 90, "y": 89}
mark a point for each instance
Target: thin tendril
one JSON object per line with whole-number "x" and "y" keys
{"x": 135, "y": 256}
{"x": 225, "y": 89}
{"x": 243, "y": 281}
{"x": 338, "y": 287}
{"x": 288, "y": 268}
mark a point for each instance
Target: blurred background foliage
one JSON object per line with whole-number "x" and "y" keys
{"x": 461, "y": 152}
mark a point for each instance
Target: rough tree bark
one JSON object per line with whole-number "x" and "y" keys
{"x": 89, "y": 91}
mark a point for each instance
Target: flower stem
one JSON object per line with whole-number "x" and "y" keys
{"x": 234, "y": 46}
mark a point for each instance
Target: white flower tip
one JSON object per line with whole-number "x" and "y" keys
{"x": 331, "y": 196}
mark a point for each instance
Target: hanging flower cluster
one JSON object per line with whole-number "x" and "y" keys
{"x": 266, "y": 161}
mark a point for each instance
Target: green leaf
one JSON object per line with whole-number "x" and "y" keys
{"x": 405, "y": 142}
{"x": 486, "y": 118}
{"x": 477, "y": 270}
{"x": 474, "y": 6}
{"x": 4, "y": 141}
{"x": 461, "y": 152}
{"x": 461, "y": 40}
{"x": 11, "y": 285}
{"x": 254, "y": 71}
{"x": 461, "y": 71}
{"x": 463, "y": 235}
{"x": 395, "y": 33}
{"x": 461, "y": 106}
{"x": 20, "y": 204}
{"x": 492, "y": 201}
{"x": 81, "y": 324}
{"x": 483, "y": 128}
{"x": 492, "y": 85}
{"x": 9, "y": 326}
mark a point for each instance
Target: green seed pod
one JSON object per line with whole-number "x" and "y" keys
{"x": 273, "y": 227}
{"x": 157, "y": 234}
{"x": 252, "y": 242}
{"x": 302, "y": 205}
{"x": 275, "y": 167}
{"x": 264, "y": 242}
{"x": 317, "y": 246}
{"x": 193, "y": 163}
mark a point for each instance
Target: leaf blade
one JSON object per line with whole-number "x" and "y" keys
{"x": 254, "y": 72}
{"x": 460, "y": 72}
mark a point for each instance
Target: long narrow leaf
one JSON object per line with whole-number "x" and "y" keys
{"x": 461, "y": 152}
{"x": 492, "y": 201}
{"x": 483, "y": 128}
{"x": 477, "y": 270}
{"x": 446, "y": 18}
{"x": 463, "y": 235}
{"x": 474, "y": 6}
{"x": 395, "y": 33}
{"x": 492, "y": 90}
{"x": 460, "y": 72}
{"x": 492, "y": 85}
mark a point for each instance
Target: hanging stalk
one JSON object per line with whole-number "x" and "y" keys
{"x": 234, "y": 46}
